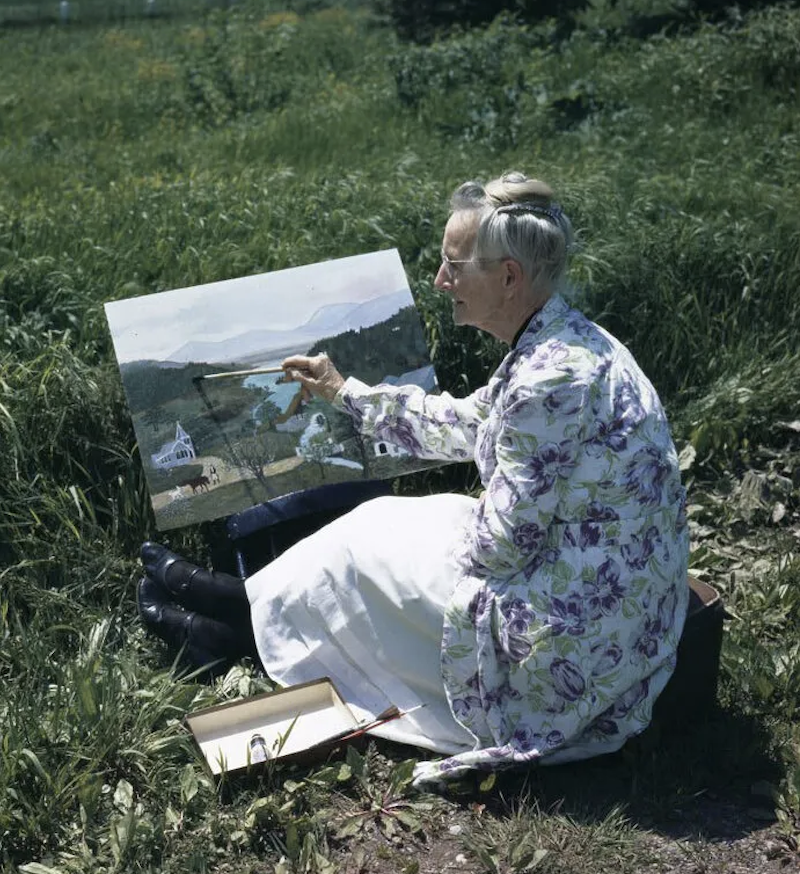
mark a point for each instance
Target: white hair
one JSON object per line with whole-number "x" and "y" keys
{"x": 519, "y": 219}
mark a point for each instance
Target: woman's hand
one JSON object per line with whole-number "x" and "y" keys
{"x": 317, "y": 374}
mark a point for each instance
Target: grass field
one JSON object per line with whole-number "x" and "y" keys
{"x": 152, "y": 153}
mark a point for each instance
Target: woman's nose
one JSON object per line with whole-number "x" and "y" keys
{"x": 442, "y": 280}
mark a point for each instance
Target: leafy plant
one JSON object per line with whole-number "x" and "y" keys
{"x": 382, "y": 800}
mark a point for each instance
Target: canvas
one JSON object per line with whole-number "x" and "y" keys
{"x": 214, "y": 436}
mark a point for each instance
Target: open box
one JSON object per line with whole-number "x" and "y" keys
{"x": 299, "y": 723}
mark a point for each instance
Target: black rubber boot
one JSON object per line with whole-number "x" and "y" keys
{"x": 205, "y": 642}
{"x": 211, "y": 593}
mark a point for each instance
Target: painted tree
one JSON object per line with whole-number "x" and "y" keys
{"x": 251, "y": 455}
{"x": 316, "y": 450}
{"x": 154, "y": 417}
{"x": 266, "y": 411}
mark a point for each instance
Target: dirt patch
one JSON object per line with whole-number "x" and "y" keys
{"x": 225, "y": 475}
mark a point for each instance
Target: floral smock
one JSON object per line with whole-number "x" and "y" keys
{"x": 572, "y": 591}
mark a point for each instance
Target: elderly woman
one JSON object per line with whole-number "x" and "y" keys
{"x": 540, "y": 621}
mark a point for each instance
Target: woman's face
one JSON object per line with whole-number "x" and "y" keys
{"x": 474, "y": 286}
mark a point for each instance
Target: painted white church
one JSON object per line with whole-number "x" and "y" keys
{"x": 175, "y": 452}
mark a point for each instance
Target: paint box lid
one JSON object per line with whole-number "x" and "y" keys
{"x": 295, "y": 723}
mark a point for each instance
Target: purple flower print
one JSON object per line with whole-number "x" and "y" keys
{"x": 568, "y": 680}
{"x": 444, "y": 418}
{"x": 484, "y": 452}
{"x": 605, "y": 725}
{"x": 353, "y": 410}
{"x": 596, "y": 512}
{"x": 599, "y": 374}
{"x": 547, "y": 355}
{"x": 447, "y": 416}
{"x": 589, "y": 535}
{"x": 646, "y": 474}
{"x": 647, "y": 644}
{"x": 528, "y": 537}
{"x": 625, "y": 703}
{"x": 535, "y": 324}
{"x": 450, "y": 764}
{"x": 556, "y": 705}
{"x": 667, "y": 607}
{"x": 554, "y": 739}
{"x": 525, "y": 739}
{"x": 680, "y": 499}
{"x": 463, "y": 706}
{"x": 628, "y": 410}
{"x": 579, "y": 324}
{"x": 604, "y": 594}
{"x": 565, "y": 400}
{"x": 518, "y": 615}
{"x": 568, "y": 616}
{"x": 481, "y": 534}
{"x": 608, "y": 656}
{"x": 398, "y": 431}
{"x": 607, "y": 435}
{"x": 502, "y": 492}
{"x": 637, "y": 552}
{"x": 501, "y": 752}
{"x": 552, "y": 461}
{"x": 512, "y": 641}
{"x": 500, "y": 696}
{"x": 477, "y": 608}
{"x": 514, "y": 648}
{"x": 546, "y": 556}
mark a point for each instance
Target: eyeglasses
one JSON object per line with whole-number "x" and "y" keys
{"x": 450, "y": 264}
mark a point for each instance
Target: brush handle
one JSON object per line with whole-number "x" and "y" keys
{"x": 242, "y": 373}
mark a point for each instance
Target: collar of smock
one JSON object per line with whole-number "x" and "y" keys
{"x": 556, "y": 306}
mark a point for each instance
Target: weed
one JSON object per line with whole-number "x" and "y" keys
{"x": 384, "y": 803}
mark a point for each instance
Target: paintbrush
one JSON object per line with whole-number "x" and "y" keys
{"x": 239, "y": 373}
{"x": 387, "y": 716}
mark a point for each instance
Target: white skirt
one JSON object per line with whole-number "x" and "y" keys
{"x": 362, "y": 601}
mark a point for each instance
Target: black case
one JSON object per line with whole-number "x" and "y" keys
{"x": 692, "y": 689}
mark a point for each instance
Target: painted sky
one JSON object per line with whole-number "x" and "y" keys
{"x": 153, "y": 326}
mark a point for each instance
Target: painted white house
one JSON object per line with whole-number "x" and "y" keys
{"x": 175, "y": 452}
{"x": 388, "y": 450}
{"x": 315, "y": 442}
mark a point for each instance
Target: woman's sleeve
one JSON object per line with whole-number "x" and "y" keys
{"x": 536, "y": 451}
{"x": 425, "y": 425}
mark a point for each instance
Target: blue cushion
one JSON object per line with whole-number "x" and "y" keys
{"x": 305, "y": 503}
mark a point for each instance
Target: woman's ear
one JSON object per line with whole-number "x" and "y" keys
{"x": 512, "y": 275}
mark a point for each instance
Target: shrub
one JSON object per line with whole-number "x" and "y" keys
{"x": 471, "y": 86}
{"x": 422, "y": 20}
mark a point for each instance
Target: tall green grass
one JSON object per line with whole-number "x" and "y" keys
{"x": 161, "y": 154}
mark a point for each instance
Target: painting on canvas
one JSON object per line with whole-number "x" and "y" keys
{"x": 214, "y": 445}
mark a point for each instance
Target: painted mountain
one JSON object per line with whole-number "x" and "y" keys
{"x": 325, "y": 322}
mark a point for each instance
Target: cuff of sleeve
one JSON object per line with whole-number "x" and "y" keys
{"x": 352, "y": 388}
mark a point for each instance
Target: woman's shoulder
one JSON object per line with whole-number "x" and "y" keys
{"x": 562, "y": 352}
{"x": 559, "y": 327}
